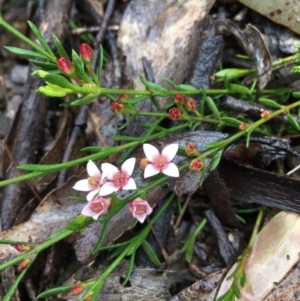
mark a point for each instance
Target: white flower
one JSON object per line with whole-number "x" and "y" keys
{"x": 92, "y": 183}
{"x": 118, "y": 179}
{"x": 160, "y": 162}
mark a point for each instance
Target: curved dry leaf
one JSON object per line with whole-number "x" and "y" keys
{"x": 274, "y": 253}
{"x": 286, "y": 12}
{"x": 253, "y": 44}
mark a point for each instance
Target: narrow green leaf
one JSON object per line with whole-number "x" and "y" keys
{"x": 236, "y": 290}
{"x": 100, "y": 66}
{"x": 60, "y": 48}
{"x": 270, "y": 103}
{"x": 296, "y": 94}
{"x": 215, "y": 161}
{"x": 150, "y": 85}
{"x": 185, "y": 87}
{"x": 243, "y": 279}
{"x": 231, "y": 121}
{"x": 61, "y": 81}
{"x": 41, "y": 39}
{"x": 53, "y": 91}
{"x": 82, "y": 101}
{"x": 135, "y": 100}
{"x": 216, "y": 144}
{"x": 189, "y": 250}
{"x": 232, "y": 73}
{"x": 93, "y": 149}
{"x": 202, "y": 103}
{"x": 54, "y": 291}
{"x": 151, "y": 254}
{"x": 130, "y": 268}
{"x": 235, "y": 88}
{"x": 44, "y": 65}
{"x": 293, "y": 122}
{"x": 167, "y": 80}
{"x": 80, "y": 67}
{"x": 101, "y": 237}
{"x": 232, "y": 274}
{"x": 24, "y": 52}
{"x": 213, "y": 107}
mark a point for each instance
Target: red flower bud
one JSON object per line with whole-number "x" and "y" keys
{"x": 86, "y": 53}
{"x": 117, "y": 107}
{"x": 265, "y": 114}
{"x": 76, "y": 290}
{"x": 23, "y": 247}
{"x": 179, "y": 98}
{"x": 243, "y": 126}
{"x": 174, "y": 113}
{"x": 23, "y": 264}
{"x": 190, "y": 104}
{"x": 196, "y": 165}
{"x": 65, "y": 66}
{"x": 191, "y": 149}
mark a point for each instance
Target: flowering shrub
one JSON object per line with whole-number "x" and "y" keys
{"x": 74, "y": 76}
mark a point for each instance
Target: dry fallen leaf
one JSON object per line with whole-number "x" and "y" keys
{"x": 286, "y": 12}
{"x": 274, "y": 253}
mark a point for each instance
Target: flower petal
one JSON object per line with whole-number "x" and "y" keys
{"x": 82, "y": 185}
{"x": 170, "y": 151}
{"x": 87, "y": 210}
{"x": 130, "y": 185}
{"x": 148, "y": 209}
{"x": 141, "y": 217}
{"x": 108, "y": 170}
{"x": 150, "y": 151}
{"x": 128, "y": 166}
{"x": 107, "y": 188}
{"x": 93, "y": 170}
{"x": 92, "y": 194}
{"x": 171, "y": 171}
{"x": 150, "y": 171}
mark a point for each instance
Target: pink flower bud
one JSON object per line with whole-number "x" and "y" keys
{"x": 174, "y": 113}
{"x": 196, "y": 165}
{"x": 65, "y": 66}
{"x": 117, "y": 107}
{"x": 76, "y": 290}
{"x": 179, "y": 98}
{"x": 86, "y": 53}
{"x": 143, "y": 163}
{"x": 140, "y": 209}
{"x": 191, "y": 149}
{"x": 190, "y": 104}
